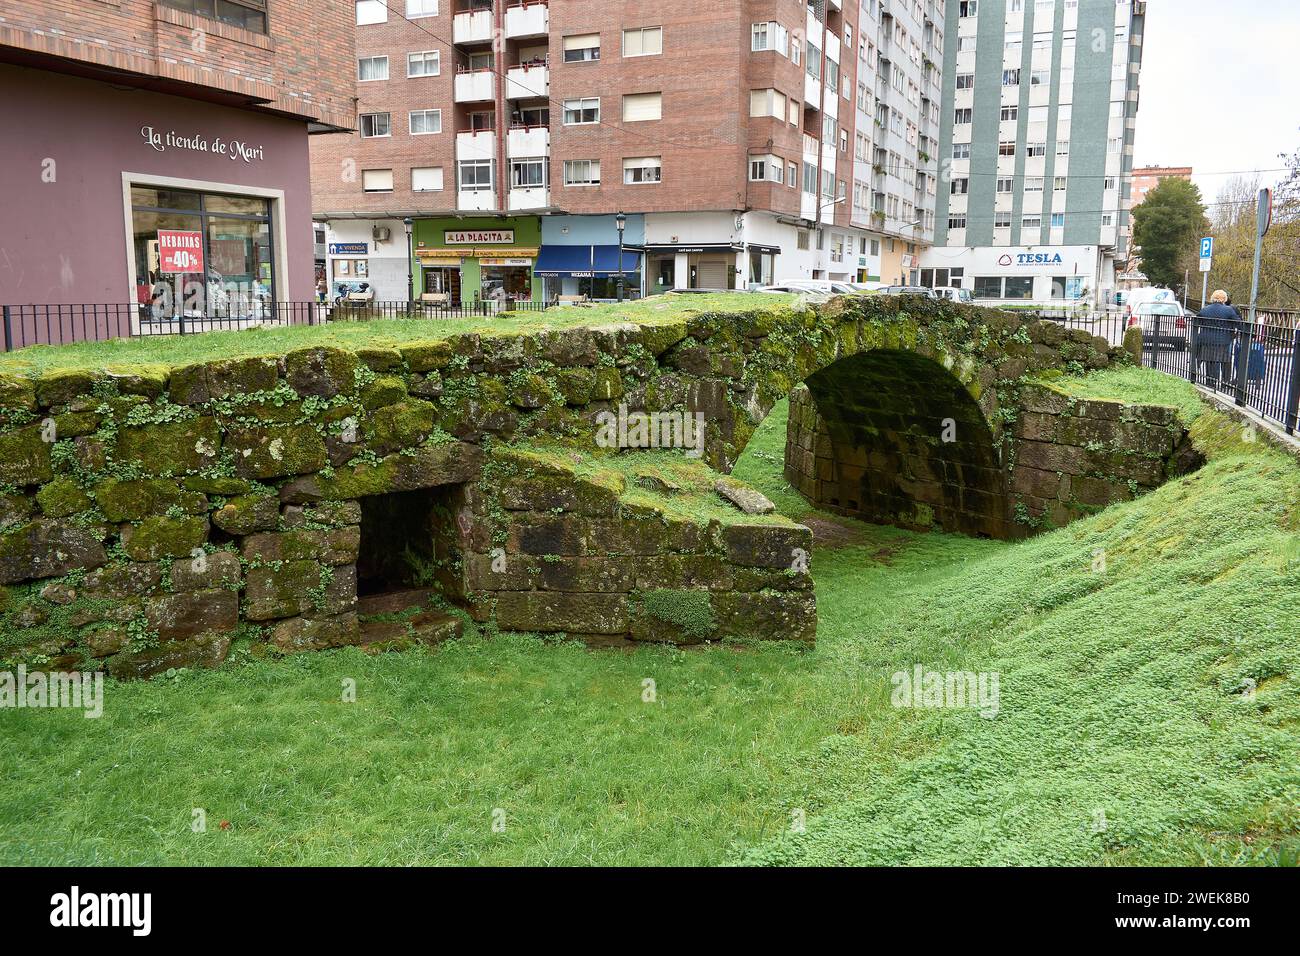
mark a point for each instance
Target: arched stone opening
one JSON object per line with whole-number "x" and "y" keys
{"x": 893, "y": 437}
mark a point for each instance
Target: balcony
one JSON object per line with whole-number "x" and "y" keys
{"x": 476, "y": 144}
{"x": 535, "y": 197}
{"x": 474, "y": 26}
{"x": 478, "y": 86}
{"x": 528, "y": 141}
{"x": 528, "y": 81}
{"x": 482, "y": 200}
{"x": 527, "y": 18}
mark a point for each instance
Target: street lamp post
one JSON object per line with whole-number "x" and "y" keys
{"x": 620, "y": 223}
{"x": 410, "y": 268}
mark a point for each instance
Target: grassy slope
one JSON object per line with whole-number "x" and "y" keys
{"x": 1119, "y": 693}
{"x": 176, "y": 350}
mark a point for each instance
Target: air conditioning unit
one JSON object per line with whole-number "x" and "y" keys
{"x": 381, "y": 233}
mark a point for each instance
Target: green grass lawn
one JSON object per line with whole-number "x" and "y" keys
{"x": 177, "y": 350}
{"x": 1123, "y": 734}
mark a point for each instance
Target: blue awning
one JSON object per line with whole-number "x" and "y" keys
{"x": 584, "y": 261}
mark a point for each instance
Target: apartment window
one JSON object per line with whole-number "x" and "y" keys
{"x": 766, "y": 169}
{"x": 965, "y": 44}
{"x": 641, "y": 107}
{"x": 769, "y": 36}
{"x": 372, "y": 68}
{"x": 1010, "y": 114}
{"x": 1036, "y": 149}
{"x": 961, "y": 186}
{"x": 794, "y": 51}
{"x": 1033, "y": 184}
{"x": 424, "y": 122}
{"x": 792, "y": 174}
{"x": 368, "y": 11}
{"x": 582, "y": 112}
{"x": 475, "y": 175}
{"x": 1002, "y": 220}
{"x": 528, "y": 173}
{"x": 1108, "y": 220}
{"x": 377, "y": 180}
{"x": 1031, "y": 222}
{"x": 375, "y": 125}
{"x": 1115, "y": 145}
{"x": 582, "y": 48}
{"x": 1109, "y": 183}
{"x": 1040, "y": 78}
{"x": 965, "y": 81}
{"x": 582, "y": 172}
{"x": 957, "y": 222}
{"x": 962, "y": 117}
{"x": 640, "y": 170}
{"x": 968, "y": 8}
{"x": 424, "y": 63}
{"x": 421, "y": 8}
{"x": 1058, "y": 184}
{"x": 644, "y": 41}
{"x": 1007, "y": 148}
{"x": 809, "y": 179}
{"x": 1058, "y": 220}
{"x": 961, "y": 150}
{"x": 246, "y": 14}
{"x": 1006, "y": 185}
{"x": 426, "y": 179}
{"x": 875, "y": 247}
{"x": 1010, "y": 77}
{"x": 767, "y": 103}
{"x": 802, "y": 240}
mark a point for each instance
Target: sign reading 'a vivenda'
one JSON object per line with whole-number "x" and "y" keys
{"x": 234, "y": 150}
{"x": 471, "y": 237}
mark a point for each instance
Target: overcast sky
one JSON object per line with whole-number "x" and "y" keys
{"x": 1218, "y": 87}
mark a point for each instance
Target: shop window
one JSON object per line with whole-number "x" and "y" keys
{"x": 1019, "y": 287}
{"x": 988, "y": 287}
{"x": 201, "y": 254}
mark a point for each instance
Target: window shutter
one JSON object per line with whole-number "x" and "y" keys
{"x": 638, "y": 107}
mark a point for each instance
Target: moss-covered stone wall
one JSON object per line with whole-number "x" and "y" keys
{"x": 149, "y": 517}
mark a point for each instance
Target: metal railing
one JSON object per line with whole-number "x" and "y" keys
{"x": 1256, "y": 366}
{"x": 34, "y": 324}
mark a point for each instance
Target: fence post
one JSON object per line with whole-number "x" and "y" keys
{"x": 1289, "y": 419}
{"x": 1155, "y": 341}
{"x": 8, "y": 330}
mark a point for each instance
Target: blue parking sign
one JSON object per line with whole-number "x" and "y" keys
{"x": 1207, "y": 247}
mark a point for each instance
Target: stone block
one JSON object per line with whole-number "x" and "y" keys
{"x": 48, "y": 548}
{"x": 552, "y": 611}
{"x": 190, "y": 613}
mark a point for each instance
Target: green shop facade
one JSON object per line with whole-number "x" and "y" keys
{"x": 458, "y": 259}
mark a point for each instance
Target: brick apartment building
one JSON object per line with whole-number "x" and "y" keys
{"x": 1146, "y": 178}
{"x": 155, "y": 151}
{"x": 746, "y": 141}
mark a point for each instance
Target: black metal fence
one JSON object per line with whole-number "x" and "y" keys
{"x": 25, "y": 325}
{"x": 1257, "y": 365}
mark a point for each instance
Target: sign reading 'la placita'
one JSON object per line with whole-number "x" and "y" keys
{"x": 476, "y": 237}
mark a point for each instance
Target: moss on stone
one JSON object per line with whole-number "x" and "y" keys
{"x": 25, "y": 457}
{"x": 63, "y": 385}
{"x": 161, "y": 537}
{"x": 141, "y": 498}
{"x": 61, "y": 498}
{"x": 384, "y": 390}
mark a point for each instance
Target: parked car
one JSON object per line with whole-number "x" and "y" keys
{"x": 909, "y": 290}
{"x": 1163, "y": 325}
{"x": 813, "y": 294}
{"x": 1135, "y": 299}
{"x": 827, "y": 286}
{"x": 956, "y": 295}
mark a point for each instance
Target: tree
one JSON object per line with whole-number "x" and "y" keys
{"x": 1166, "y": 224}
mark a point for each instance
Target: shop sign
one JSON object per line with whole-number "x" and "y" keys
{"x": 180, "y": 251}
{"x": 349, "y": 248}
{"x": 473, "y": 237}
{"x": 506, "y": 262}
{"x": 197, "y": 143}
{"x": 1032, "y": 259}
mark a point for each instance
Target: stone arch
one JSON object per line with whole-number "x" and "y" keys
{"x": 893, "y": 437}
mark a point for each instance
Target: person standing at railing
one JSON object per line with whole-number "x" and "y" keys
{"x": 1218, "y": 328}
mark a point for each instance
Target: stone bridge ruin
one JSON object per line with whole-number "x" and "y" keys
{"x": 149, "y": 517}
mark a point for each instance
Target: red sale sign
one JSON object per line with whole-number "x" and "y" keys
{"x": 180, "y": 251}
